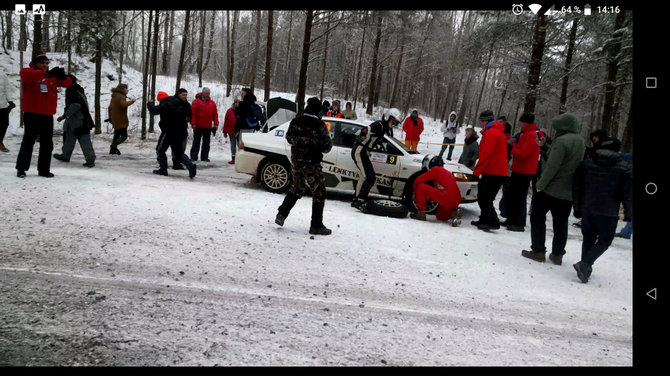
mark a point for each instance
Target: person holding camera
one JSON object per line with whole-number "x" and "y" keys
{"x": 38, "y": 103}
{"x": 78, "y": 124}
{"x": 118, "y": 115}
{"x": 5, "y": 107}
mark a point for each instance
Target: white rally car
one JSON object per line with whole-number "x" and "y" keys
{"x": 267, "y": 157}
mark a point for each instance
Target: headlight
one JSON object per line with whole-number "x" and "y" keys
{"x": 459, "y": 176}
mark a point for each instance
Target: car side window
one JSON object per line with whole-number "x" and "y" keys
{"x": 348, "y": 133}
{"x": 331, "y": 126}
{"x": 384, "y": 146}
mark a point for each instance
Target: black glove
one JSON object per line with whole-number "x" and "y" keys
{"x": 57, "y": 72}
{"x": 213, "y": 131}
{"x": 11, "y": 104}
{"x": 107, "y": 120}
{"x": 578, "y": 214}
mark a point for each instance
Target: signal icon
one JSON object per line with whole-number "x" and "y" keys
{"x": 535, "y": 8}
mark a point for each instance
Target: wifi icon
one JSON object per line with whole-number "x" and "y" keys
{"x": 535, "y": 8}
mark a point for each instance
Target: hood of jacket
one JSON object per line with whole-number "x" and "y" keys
{"x": 119, "y": 91}
{"x": 565, "y": 123}
{"x": 452, "y": 124}
{"x": 250, "y": 97}
{"x": 469, "y": 140}
{"x": 529, "y": 127}
{"x": 604, "y": 157}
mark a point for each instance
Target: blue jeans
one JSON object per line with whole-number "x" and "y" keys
{"x": 444, "y": 147}
{"x": 627, "y": 231}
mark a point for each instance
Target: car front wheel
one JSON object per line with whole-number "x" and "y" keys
{"x": 275, "y": 176}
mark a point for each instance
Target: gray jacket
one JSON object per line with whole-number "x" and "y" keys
{"x": 470, "y": 154}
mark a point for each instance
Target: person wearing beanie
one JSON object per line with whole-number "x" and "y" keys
{"x": 554, "y": 190}
{"x": 78, "y": 124}
{"x": 118, "y": 116}
{"x": 525, "y": 154}
{"x": 335, "y": 110}
{"x": 6, "y": 106}
{"x": 205, "y": 121}
{"x": 449, "y": 131}
{"x": 309, "y": 139}
{"x": 39, "y": 100}
{"x": 175, "y": 113}
{"x": 413, "y": 127}
{"x": 601, "y": 184}
{"x": 325, "y": 108}
{"x": 492, "y": 167}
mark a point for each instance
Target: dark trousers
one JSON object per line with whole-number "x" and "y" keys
{"x": 36, "y": 125}
{"x": 362, "y": 161}
{"x": 560, "y": 211}
{"x": 536, "y": 177}
{"x": 176, "y": 144}
{"x": 517, "y": 194}
{"x": 120, "y": 136}
{"x": 444, "y": 147}
{"x": 502, "y": 204}
{"x": 198, "y": 134}
{"x": 176, "y": 159}
{"x": 4, "y": 123}
{"x": 487, "y": 189}
{"x": 598, "y": 232}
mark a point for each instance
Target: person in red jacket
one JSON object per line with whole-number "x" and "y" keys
{"x": 335, "y": 110}
{"x": 413, "y": 127}
{"x": 440, "y": 186}
{"x": 525, "y": 155}
{"x": 493, "y": 169}
{"x": 229, "y": 129}
{"x": 204, "y": 115}
{"x": 38, "y": 103}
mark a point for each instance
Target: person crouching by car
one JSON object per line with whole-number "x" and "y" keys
{"x": 439, "y": 185}
{"x": 309, "y": 139}
{"x": 175, "y": 114}
{"x": 78, "y": 124}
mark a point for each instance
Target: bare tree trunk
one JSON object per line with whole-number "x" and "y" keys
{"x": 360, "y": 60}
{"x": 8, "y": 33}
{"x": 325, "y": 57}
{"x": 613, "y": 51}
{"x": 98, "y": 79}
{"x": 486, "y": 73}
{"x": 211, "y": 41}
{"x": 69, "y": 41}
{"x": 154, "y": 63}
{"x": 396, "y": 81}
{"x": 180, "y": 68}
{"x": 288, "y": 51}
{"x": 201, "y": 46}
{"x": 302, "y": 78}
{"x": 256, "y": 50}
{"x": 568, "y": 65}
{"x": 123, "y": 37}
{"x": 145, "y": 74}
{"x": 373, "y": 74}
{"x": 231, "y": 49}
{"x": 268, "y": 56}
{"x": 37, "y": 33}
{"x": 627, "y": 138}
{"x": 534, "y": 69}
{"x": 167, "y": 44}
{"x": 45, "y": 32}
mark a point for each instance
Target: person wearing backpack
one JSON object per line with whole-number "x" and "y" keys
{"x": 78, "y": 124}
{"x": 249, "y": 115}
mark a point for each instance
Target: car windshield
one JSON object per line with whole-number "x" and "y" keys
{"x": 401, "y": 145}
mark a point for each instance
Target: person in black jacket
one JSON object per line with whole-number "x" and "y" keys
{"x": 309, "y": 139}
{"x": 366, "y": 141}
{"x": 601, "y": 183}
{"x": 78, "y": 125}
{"x": 175, "y": 114}
{"x": 243, "y": 111}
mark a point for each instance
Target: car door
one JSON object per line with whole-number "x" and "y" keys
{"x": 385, "y": 158}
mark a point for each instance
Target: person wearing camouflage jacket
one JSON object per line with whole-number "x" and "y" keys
{"x": 309, "y": 139}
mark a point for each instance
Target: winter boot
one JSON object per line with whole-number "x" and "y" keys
{"x": 20, "y": 174}
{"x": 285, "y": 208}
{"x": 3, "y": 148}
{"x": 178, "y": 166}
{"x": 454, "y": 222}
{"x": 317, "y": 227}
{"x": 46, "y": 174}
{"x": 536, "y": 256}
{"x": 420, "y": 215}
{"x": 61, "y": 158}
{"x": 515, "y": 228}
{"x": 232, "y": 161}
{"x": 161, "y": 172}
{"x": 475, "y": 222}
{"x": 457, "y": 213}
{"x": 487, "y": 227}
{"x": 360, "y": 204}
{"x": 583, "y": 271}
{"x": 556, "y": 259}
{"x": 89, "y": 164}
{"x": 192, "y": 171}
{"x": 114, "y": 150}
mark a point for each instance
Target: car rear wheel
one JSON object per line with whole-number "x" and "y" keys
{"x": 431, "y": 206}
{"x": 275, "y": 176}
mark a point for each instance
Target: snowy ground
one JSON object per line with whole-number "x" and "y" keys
{"x": 116, "y": 266}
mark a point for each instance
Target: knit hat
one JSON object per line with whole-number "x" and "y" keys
{"x": 527, "y": 118}
{"x": 39, "y": 56}
{"x": 487, "y": 116}
{"x": 313, "y": 106}
{"x": 161, "y": 95}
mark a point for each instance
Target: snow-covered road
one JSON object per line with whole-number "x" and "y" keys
{"x": 117, "y": 266}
